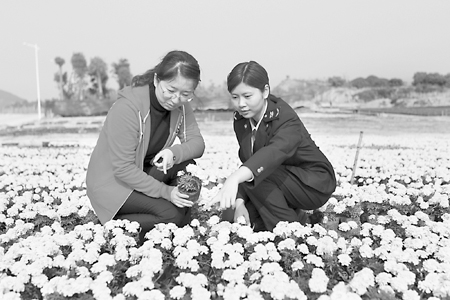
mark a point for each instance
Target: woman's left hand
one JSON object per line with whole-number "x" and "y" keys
{"x": 179, "y": 199}
{"x": 163, "y": 161}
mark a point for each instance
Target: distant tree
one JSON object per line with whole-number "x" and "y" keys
{"x": 359, "y": 83}
{"x": 447, "y": 80}
{"x": 61, "y": 79}
{"x": 60, "y": 62}
{"x": 436, "y": 79}
{"x": 385, "y": 92}
{"x": 419, "y": 78}
{"x": 336, "y": 81}
{"x": 122, "y": 72}
{"x": 395, "y": 82}
{"x": 98, "y": 69}
{"x": 79, "y": 65}
{"x": 375, "y": 81}
{"x": 429, "y": 82}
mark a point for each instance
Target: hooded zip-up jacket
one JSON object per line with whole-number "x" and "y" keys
{"x": 116, "y": 164}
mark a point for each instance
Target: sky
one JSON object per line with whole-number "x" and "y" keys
{"x": 302, "y": 39}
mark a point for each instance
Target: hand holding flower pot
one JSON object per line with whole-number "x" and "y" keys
{"x": 189, "y": 184}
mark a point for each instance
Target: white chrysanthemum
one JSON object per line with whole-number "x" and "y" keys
{"x": 315, "y": 260}
{"x": 326, "y": 245}
{"x": 297, "y": 265}
{"x": 344, "y": 259}
{"x": 213, "y": 220}
{"x": 182, "y": 236}
{"x": 366, "y": 251}
{"x": 200, "y": 293}
{"x": 312, "y": 240}
{"x": 319, "y": 281}
{"x": 410, "y": 295}
{"x": 362, "y": 280}
{"x": 234, "y": 275}
{"x": 195, "y": 223}
{"x": 177, "y": 292}
{"x": 191, "y": 280}
{"x": 288, "y": 244}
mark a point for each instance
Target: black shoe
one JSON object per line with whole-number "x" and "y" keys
{"x": 302, "y": 216}
{"x": 258, "y": 225}
{"x": 316, "y": 217}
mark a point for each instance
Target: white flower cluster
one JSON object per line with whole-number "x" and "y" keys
{"x": 50, "y": 240}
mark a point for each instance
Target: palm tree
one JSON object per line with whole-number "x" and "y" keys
{"x": 98, "y": 68}
{"x": 122, "y": 72}
{"x": 60, "y": 62}
{"x": 79, "y": 66}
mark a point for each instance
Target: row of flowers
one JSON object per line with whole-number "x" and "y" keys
{"x": 384, "y": 237}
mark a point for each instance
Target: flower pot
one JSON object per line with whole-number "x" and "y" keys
{"x": 191, "y": 186}
{"x": 193, "y": 196}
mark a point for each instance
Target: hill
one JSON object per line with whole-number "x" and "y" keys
{"x": 7, "y": 99}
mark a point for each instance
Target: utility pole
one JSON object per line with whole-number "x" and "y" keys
{"x": 36, "y": 48}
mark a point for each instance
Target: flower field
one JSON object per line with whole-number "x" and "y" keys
{"x": 386, "y": 236}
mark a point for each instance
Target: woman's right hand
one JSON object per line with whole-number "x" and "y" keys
{"x": 179, "y": 199}
{"x": 241, "y": 211}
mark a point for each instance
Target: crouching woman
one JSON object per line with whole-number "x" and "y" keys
{"x": 283, "y": 172}
{"x": 133, "y": 168}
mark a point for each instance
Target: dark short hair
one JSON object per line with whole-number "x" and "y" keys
{"x": 250, "y": 73}
{"x": 173, "y": 64}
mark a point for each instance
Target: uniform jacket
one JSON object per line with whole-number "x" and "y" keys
{"x": 116, "y": 164}
{"x": 282, "y": 139}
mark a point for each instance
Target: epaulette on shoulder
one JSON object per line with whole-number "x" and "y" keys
{"x": 237, "y": 116}
{"x": 272, "y": 114}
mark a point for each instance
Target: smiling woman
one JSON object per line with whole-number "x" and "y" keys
{"x": 133, "y": 168}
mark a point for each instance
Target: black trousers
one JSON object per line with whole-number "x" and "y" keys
{"x": 148, "y": 211}
{"x": 280, "y": 197}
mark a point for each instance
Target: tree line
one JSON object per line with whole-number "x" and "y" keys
{"x": 421, "y": 80}
{"x": 89, "y": 80}
{"x": 373, "y": 87}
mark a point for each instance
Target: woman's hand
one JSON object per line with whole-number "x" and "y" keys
{"x": 241, "y": 211}
{"x": 179, "y": 199}
{"x": 227, "y": 194}
{"x": 163, "y": 161}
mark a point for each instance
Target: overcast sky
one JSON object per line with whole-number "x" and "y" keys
{"x": 301, "y": 39}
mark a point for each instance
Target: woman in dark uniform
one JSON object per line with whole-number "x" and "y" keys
{"x": 283, "y": 172}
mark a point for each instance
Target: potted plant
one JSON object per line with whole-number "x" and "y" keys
{"x": 189, "y": 184}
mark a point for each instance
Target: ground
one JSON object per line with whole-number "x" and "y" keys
{"x": 320, "y": 125}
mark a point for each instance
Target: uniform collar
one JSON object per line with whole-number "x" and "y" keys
{"x": 272, "y": 110}
{"x": 262, "y": 117}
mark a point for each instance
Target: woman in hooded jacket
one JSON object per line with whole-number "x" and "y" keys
{"x": 133, "y": 168}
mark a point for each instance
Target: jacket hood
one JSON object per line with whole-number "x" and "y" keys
{"x": 135, "y": 96}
